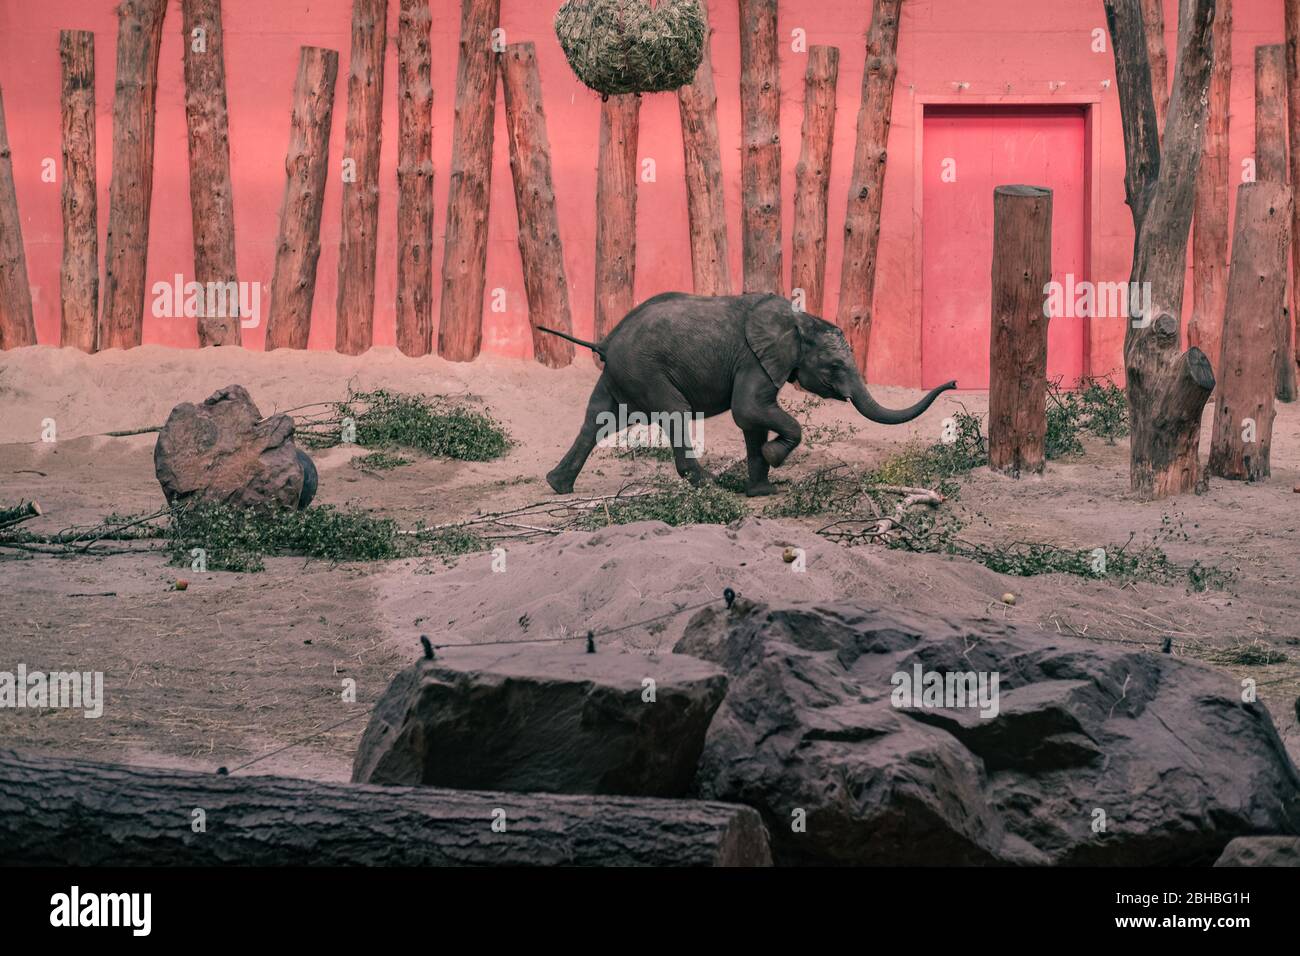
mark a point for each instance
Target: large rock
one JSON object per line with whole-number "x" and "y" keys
{"x": 224, "y": 452}
{"x": 1261, "y": 851}
{"x": 543, "y": 717}
{"x": 1089, "y": 754}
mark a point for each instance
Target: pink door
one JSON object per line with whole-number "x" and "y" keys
{"x": 967, "y": 151}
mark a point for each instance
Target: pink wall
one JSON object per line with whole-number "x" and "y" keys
{"x": 1001, "y": 48}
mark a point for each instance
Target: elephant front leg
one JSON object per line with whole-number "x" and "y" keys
{"x": 562, "y": 476}
{"x": 756, "y": 484}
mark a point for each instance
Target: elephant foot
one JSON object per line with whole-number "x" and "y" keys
{"x": 775, "y": 452}
{"x": 560, "y": 483}
{"x": 760, "y": 489}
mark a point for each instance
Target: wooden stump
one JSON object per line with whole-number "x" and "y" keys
{"x": 1292, "y": 10}
{"x": 139, "y": 36}
{"x": 1271, "y": 167}
{"x": 1022, "y": 268}
{"x": 306, "y": 163}
{"x": 414, "y": 180}
{"x": 17, "y": 327}
{"x": 79, "y": 270}
{"x": 1243, "y": 409}
{"x": 867, "y": 181}
{"x": 212, "y": 205}
{"x": 760, "y": 154}
{"x": 359, "y": 224}
{"x": 539, "y": 226}
{"x": 464, "y": 260}
{"x": 697, "y": 103}
{"x": 1153, "y": 18}
{"x": 812, "y": 177}
{"x": 616, "y": 187}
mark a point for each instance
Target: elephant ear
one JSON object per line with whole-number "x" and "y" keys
{"x": 773, "y": 336}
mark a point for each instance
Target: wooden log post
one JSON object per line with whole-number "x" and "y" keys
{"x": 1243, "y": 407}
{"x": 540, "y": 248}
{"x": 1210, "y": 230}
{"x": 697, "y": 103}
{"x": 79, "y": 270}
{"x": 1292, "y": 18}
{"x": 17, "y": 327}
{"x": 359, "y": 224}
{"x": 58, "y": 812}
{"x": 1167, "y": 390}
{"x": 414, "y": 180}
{"x": 1271, "y": 167}
{"x": 1153, "y": 20}
{"x": 139, "y": 37}
{"x": 812, "y": 179}
{"x": 616, "y": 187}
{"x": 760, "y": 152}
{"x": 867, "y": 181}
{"x": 464, "y": 260}
{"x": 306, "y": 164}
{"x": 1022, "y": 268}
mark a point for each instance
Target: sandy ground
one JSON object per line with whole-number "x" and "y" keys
{"x": 238, "y": 666}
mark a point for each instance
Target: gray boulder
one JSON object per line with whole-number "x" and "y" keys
{"x": 543, "y": 717}
{"x": 1261, "y": 851}
{"x": 1089, "y": 754}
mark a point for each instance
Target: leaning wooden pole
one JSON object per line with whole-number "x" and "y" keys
{"x": 616, "y": 183}
{"x": 1271, "y": 167}
{"x": 464, "y": 261}
{"x": 1292, "y": 11}
{"x": 79, "y": 271}
{"x": 359, "y": 224}
{"x": 1022, "y": 268}
{"x": 867, "y": 181}
{"x": 1153, "y": 19}
{"x": 540, "y": 248}
{"x": 139, "y": 37}
{"x": 697, "y": 104}
{"x": 1243, "y": 407}
{"x": 306, "y": 163}
{"x": 212, "y": 204}
{"x": 17, "y": 327}
{"x": 812, "y": 178}
{"x": 760, "y": 151}
{"x": 1210, "y": 228}
{"x": 414, "y": 180}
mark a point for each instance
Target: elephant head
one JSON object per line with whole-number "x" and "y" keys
{"x": 798, "y": 347}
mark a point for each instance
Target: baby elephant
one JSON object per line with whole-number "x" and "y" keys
{"x": 678, "y": 356}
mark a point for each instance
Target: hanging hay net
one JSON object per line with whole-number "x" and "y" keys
{"x": 625, "y": 46}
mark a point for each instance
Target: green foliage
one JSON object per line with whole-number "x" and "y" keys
{"x": 926, "y": 466}
{"x": 814, "y": 435}
{"x": 673, "y": 502}
{"x": 434, "y": 425}
{"x": 1098, "y": 408}
{"x": 451, "y": 542}
{"x": 380, "y": 461}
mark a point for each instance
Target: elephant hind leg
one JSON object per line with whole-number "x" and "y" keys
{"x": 562, "y": 476}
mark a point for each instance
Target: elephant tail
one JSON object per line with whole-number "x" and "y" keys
{"x": 599, "y": 350}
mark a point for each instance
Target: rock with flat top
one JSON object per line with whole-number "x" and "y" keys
{"x": 1261, "y": 851}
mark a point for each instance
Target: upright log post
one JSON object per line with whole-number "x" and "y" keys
{"x": 1271, "y": 167}
{"x": 1153, "y": 19}
{"x": 812, "y": 177}
{"x": 17, "y": 327}
{"x": 1210, "y": 229}
{"x": 139, "y": 37}
{"x": 697, "y": 103}
{"x": 464, "y": 261}
{"x": 1292, "y": 11}
{"x": 359, "y": 225}
{"x": 414, "y": 180}
{"x": 760, "y": 155}
{"x": 79, "y": 271}
{"x": 616, "y": 184}
{"x": 212, "y": 206}
{"x": 306, "y": 164}
{"x": 539, "y": 226}
{"x": 866, "y": 184}
{"x": 1022, "y": 267}
{"x": 1243, "y": 407}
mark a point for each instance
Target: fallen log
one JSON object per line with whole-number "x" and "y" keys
{"x": 79, "y": 270}
{"x": 57, "y": 812}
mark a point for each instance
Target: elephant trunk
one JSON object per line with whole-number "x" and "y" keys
{"x": 865, "y": 404}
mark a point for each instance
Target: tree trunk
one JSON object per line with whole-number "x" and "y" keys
{"x": 17, "y": 327}
{"x": 464, "y": 261}
{"x": 1271, "y": 167}
{"x": 56, "y": 812}
{"x": 1243, "y": 406}
{"x": 866, "y": 184}
{"x": 306, "y": 164}
{"x": 1293, "y": 139}
{"x": 760, "y": 155}
{"x": 414, "y": 180}
{"x": 813, "y": 177}
{"x": 616, "y": 187}
{"x": 79, "y": 271}
{"x": 698, "y": 104}
{"x": 1210, "y": 235}
{"x": 359, "y": 224}
{"x": 1166, "y": 391}
{"x": 1153, "y": 19}
{"x": 539, "y": 226}
{"x": 139, "y": 36}
{"x": 1022, "y": 267}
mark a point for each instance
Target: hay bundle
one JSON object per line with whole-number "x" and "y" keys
{"x": 625, "y": 46}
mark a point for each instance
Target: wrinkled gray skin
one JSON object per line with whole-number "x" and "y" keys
{"x": 706, "y": 354}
